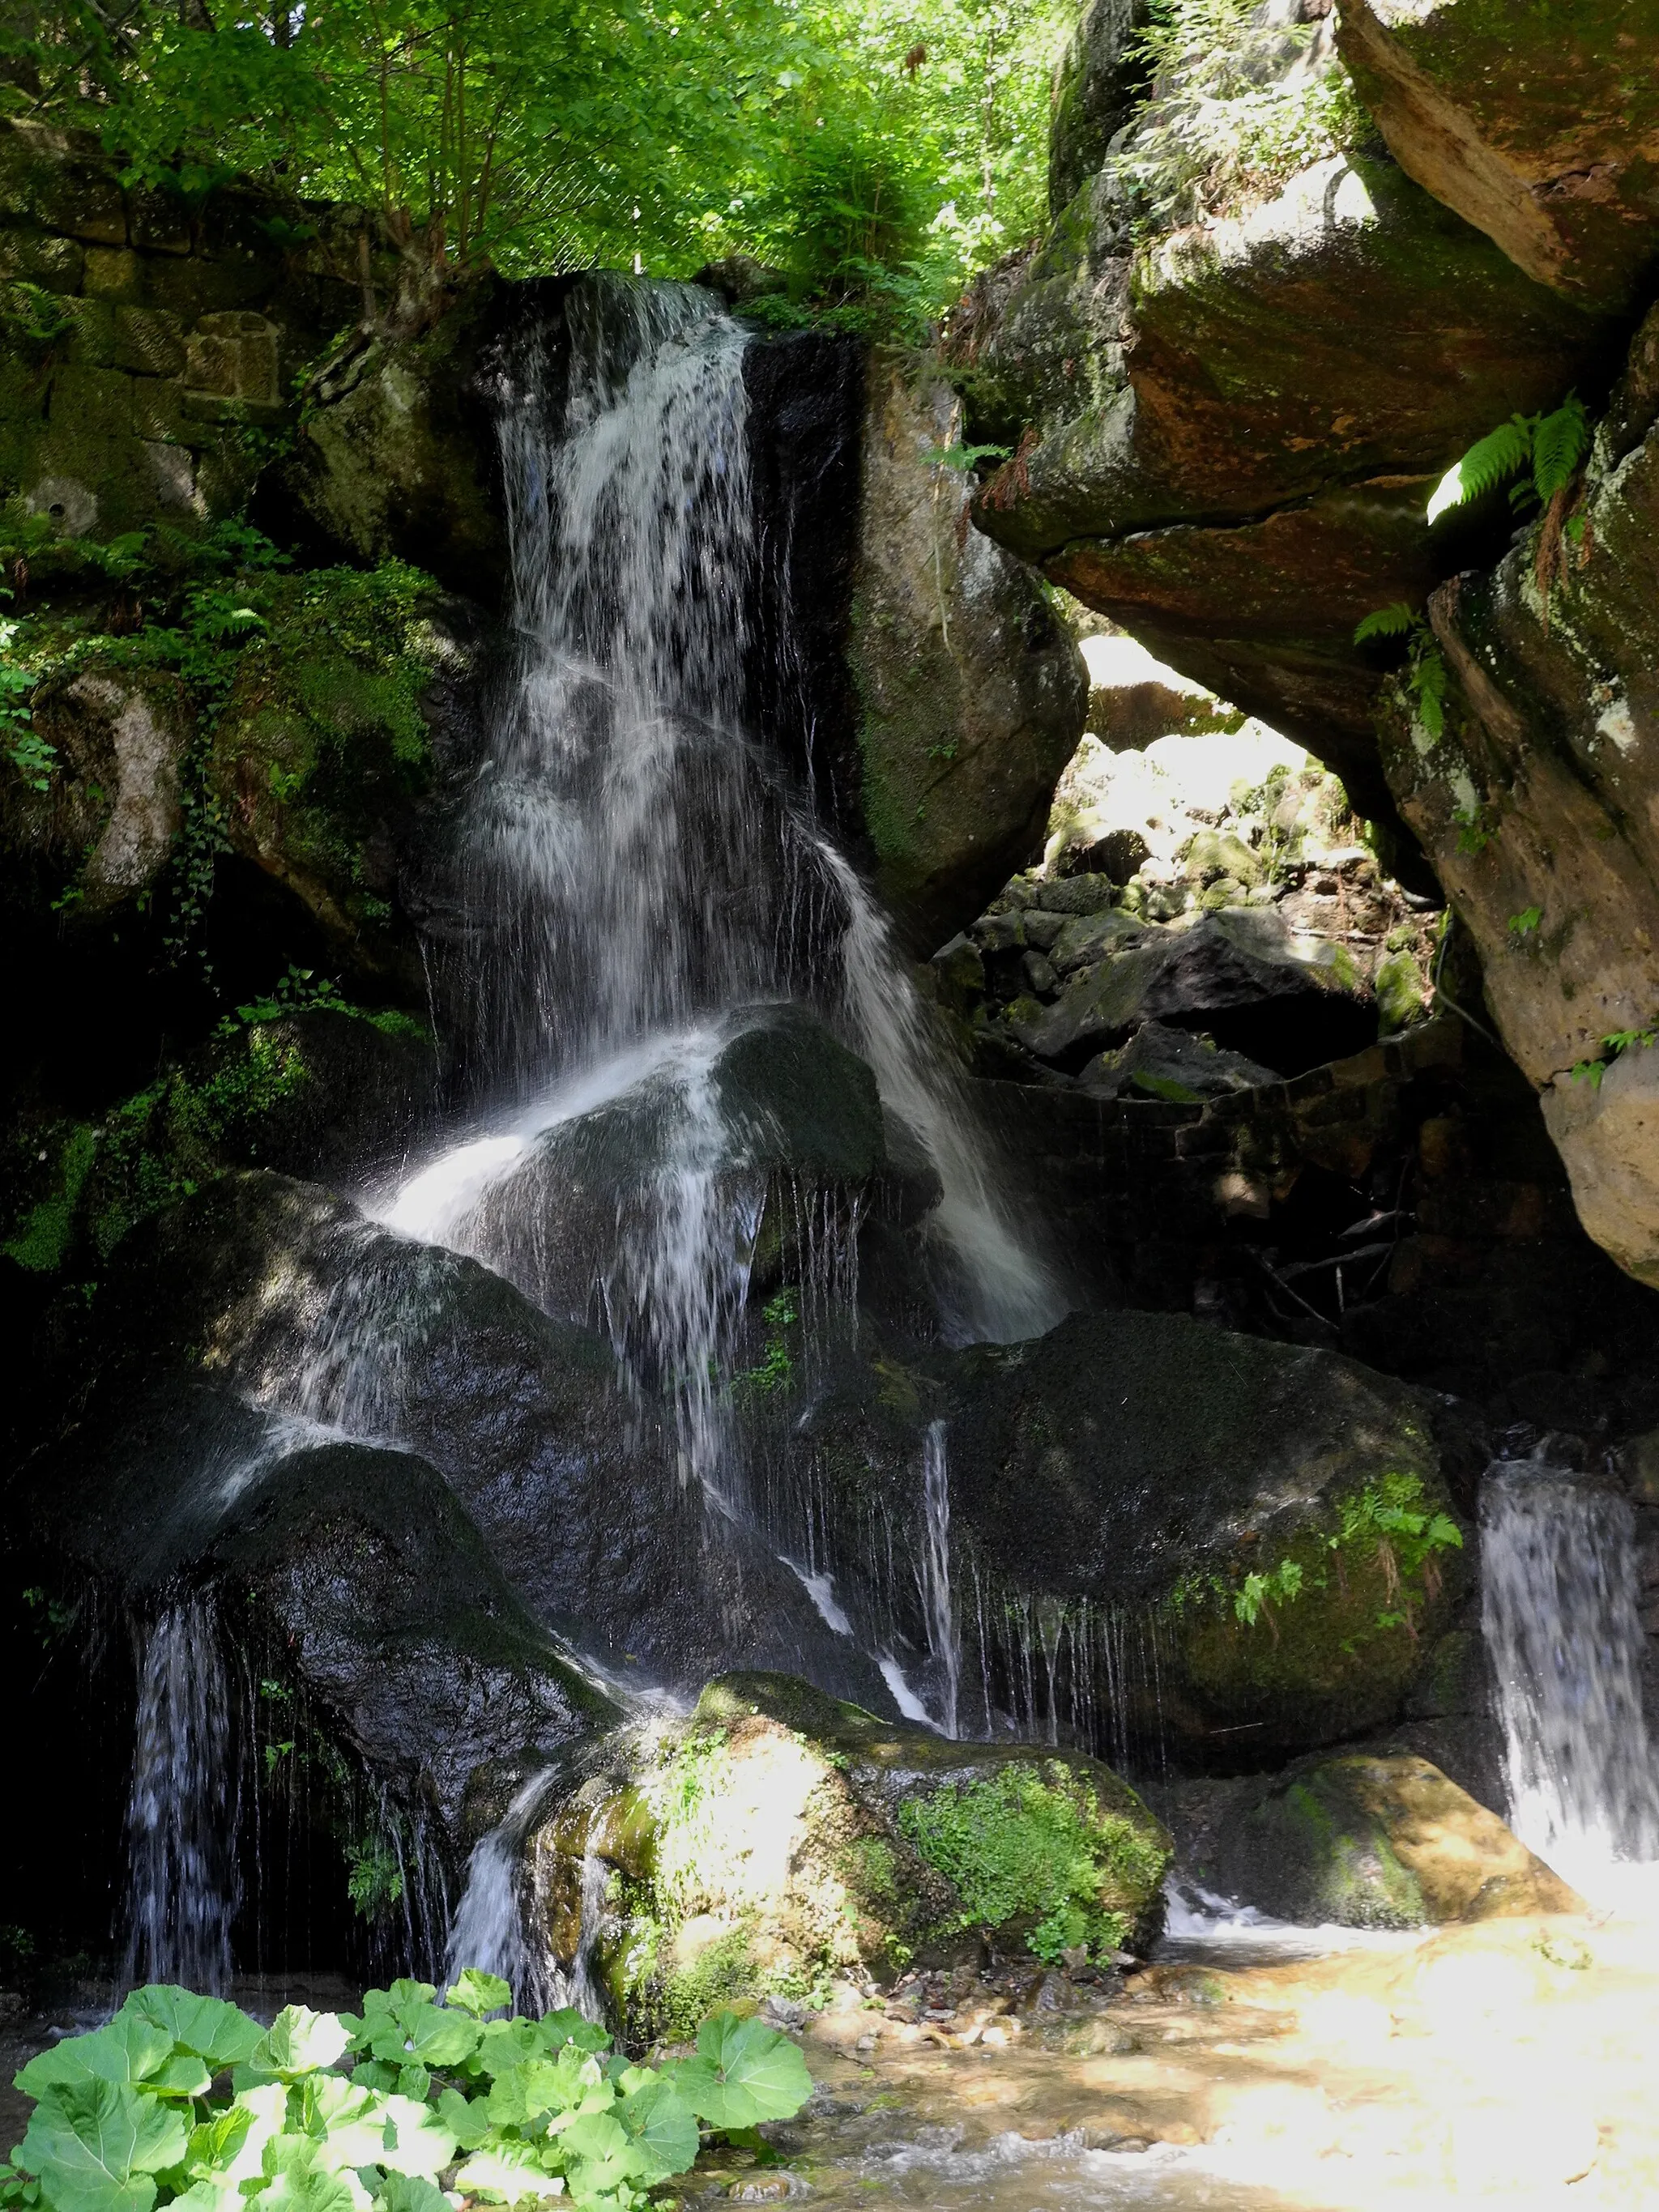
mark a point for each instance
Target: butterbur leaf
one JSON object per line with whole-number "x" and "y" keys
{"x": 216, "y": 2032}
{"x": 506, "y": 2173}
{"x": 554, "y": 2029}
{"x": 215, "y": 2192}
{"x": 297, "y": 2180}
{"x": 744, "y": 2072}
{"x": 414, "y": 2139}
{"x": 478, "y": 1993}
{"x": 661, "y": 2128}
{"x": 125, "y": 2049}
{"x": 506, "y": 2043}
{"x": 469, "y": 2122}
{"x": 410, "y": 2192}
{"x": 298, "y": 2042}
{"x": 95, "y": 2146}
{"x": 596, "y": 2135}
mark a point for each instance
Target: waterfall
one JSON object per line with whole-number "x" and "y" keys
{"x": 934, "y": 1572}
{"x": 1561, "y": 1622}
{"x": 181, "y": 1815}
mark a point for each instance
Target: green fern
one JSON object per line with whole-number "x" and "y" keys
{"x": 1553, "y": 445}
{"x": 1559, "y": 443}
{"x": 1394, "y": 620}
{"x": 1503, "y": 452}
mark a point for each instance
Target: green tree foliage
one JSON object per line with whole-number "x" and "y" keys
{"x": 870, "y": 151}
{"x": 337, "y": 2113}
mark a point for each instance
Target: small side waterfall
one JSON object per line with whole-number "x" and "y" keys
{"x": 488, "y": 1929}
{"x": 933, "y": 1571}
{"x": 1561, "y": 1622}
{"x": 181, "y": 1820}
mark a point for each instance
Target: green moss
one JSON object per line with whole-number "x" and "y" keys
{"x": 1041, "y": 1856}
{"x": 44, "y": 1237}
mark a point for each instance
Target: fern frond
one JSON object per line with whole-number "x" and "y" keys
{"x": 1384, "y": 622}
{"x": 1486, "y": 465}
{"x": 1559, "y": 443}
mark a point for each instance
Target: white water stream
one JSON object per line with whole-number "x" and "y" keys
{"x": 1560, "y": 1620}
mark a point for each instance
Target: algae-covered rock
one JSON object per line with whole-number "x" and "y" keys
{"x": 971, "y": 695}
{"x": 1540, "y": 127}
{"x": 781, "y": 1835}
{"x": 1381, "y": 1843}
{"x": 396, "y": 453}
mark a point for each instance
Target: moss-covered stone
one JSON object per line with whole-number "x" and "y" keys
{"x": 781, "y": 1836}
{"x": 1381, "y": 1843}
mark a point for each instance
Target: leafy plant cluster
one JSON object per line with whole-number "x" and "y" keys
{"x": 775, "y": 1368}
{"x": 1390, "y": 1523}
{"x": 1231, "y": 113}
{"x": 1537, "y": 455}
{"x": 184, "y": 2100}
{"x": 1018, "y": 1849}
{"x": 1615, "y": 1042}
{"x": 877, "y": 155}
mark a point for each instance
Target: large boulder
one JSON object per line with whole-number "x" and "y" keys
{"x": 1371, "y": 1842}
{"x": 766, "y": 1120}
{"x": 1540, "y": 129}
{"x": 1529, "y": 789}
{"x": 288, "y": 1298}
{"x": 364, "y": 1568}
{"x": 1215, "y": 451}
{"x": 1156, "y": 1531}
{"x": 1096, "y": 81}
{"x": 1237, "y": 974}
{"x": 971, "y": 695}
{"x": 779, "y": 1836}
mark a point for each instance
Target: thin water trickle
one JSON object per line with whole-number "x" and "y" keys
{"x": 1561, "y": 1625}
{"x": 487, "y": 1932}
{"x": 933, "y": 1571}
{"x": 181, "y": 1812}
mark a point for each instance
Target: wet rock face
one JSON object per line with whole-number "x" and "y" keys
{"x": 388, "y": 1606}
{"x": 1096, "y": 81}
{"x": 1218, "y": 453}
{"x": 1381, "y": 1843}
{"x": 291, "y": 1298}
{"x": 1543, "y": 134}
{"x": 105, "y": 824}
{"x": 781, "y": 1835}
{"x": 971, "y": 696}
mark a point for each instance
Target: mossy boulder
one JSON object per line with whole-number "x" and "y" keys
{"x": 395, "y": 455}
{"x": 1371, "y": 1842}
{"x": 971, "y": 693}
{"x": 384, "y": 1600}
{"x": 336, "y": 727}
{"x": 781, "y": 1836}
{"x": 329, "y": 1090}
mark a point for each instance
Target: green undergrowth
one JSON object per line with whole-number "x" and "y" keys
{"x": 302, "y": 688}
{"x": 412, "y": 2106}
{"x": 165, "y": 1141}
{"x": 1390, "y": 1531}
{"x": 1043, "y": 1856}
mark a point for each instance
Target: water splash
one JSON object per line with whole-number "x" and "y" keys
{"x": 488, "y": 1929}
{"x": 182, "y": 1811}
{"x": 1560, "y": 1621}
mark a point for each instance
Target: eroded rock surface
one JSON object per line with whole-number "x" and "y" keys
{"x": 971, "y": 695}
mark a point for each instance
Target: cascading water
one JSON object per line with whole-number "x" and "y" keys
{"x": 636, "y": 874}
{"x": 934, "y": 1572}
{"x": 639, "y": 884}
{"x": 1561, "y": 1622}
{"x": 181, "y": 1814}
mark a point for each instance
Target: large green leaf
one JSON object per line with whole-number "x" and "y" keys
{"x": 403, "y": 2025}
{"x": 125, "y": 2049}
{"x": 478, "y": 1993}
{"x": 466, "y": 2118}
{"x": 298, "y": 2042}
{"x": 744, "y": 2072}
{"x": 298, "y": 2181}
{"x": 96, "y": 2145}
{"x": 410, "y": 2192}
{"x": 661, "y": 2128}
{"x": 505, "y": 2172}
{"x": 360, "y": 2127}
{"x": 567, "y": 2083}
{"x": 214, "y": 2030}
